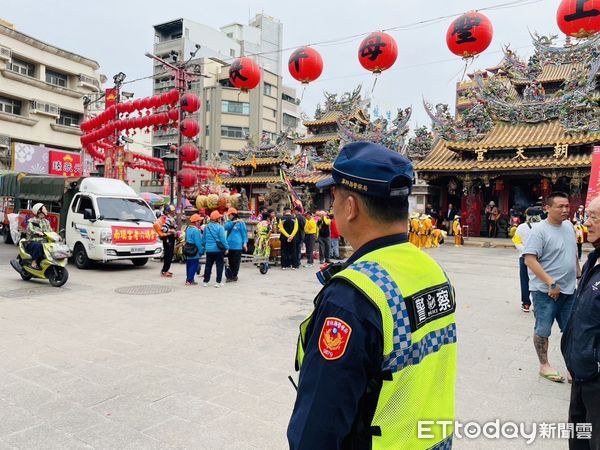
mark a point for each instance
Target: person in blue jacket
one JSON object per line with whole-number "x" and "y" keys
{"x": 193, "y": 235}
{"x": 215, "y": 244}
{"x": 237, "y": 238}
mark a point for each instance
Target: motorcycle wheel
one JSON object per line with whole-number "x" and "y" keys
{"x": 263, "y": 268}
{"x": 57, "y": 276}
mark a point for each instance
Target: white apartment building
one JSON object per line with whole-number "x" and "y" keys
{"x": 41, "y": 93}
{"x": 227, "y": 115}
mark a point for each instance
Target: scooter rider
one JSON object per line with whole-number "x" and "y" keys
{"x": 37, "y": 226}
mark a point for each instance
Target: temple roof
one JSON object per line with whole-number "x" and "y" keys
{"x": 442, "y": 159}
{"x": 261, "y": 162}
{"x": 323, "y": 166}
{"x": 552, "y": 73}
{"x": 251, "y": 180}
{"x": 313, "y": 179}
{"x": 544, "y": 134}
{"x": 332, "y": 117}
{"x": 317, "y": 139}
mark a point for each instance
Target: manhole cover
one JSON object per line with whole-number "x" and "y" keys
{"x": 144, "y": 290}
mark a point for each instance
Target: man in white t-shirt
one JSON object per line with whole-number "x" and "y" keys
{"x": 533, "y": 217}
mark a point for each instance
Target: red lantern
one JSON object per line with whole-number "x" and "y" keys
{"x": 190, "y": 103}
{"x": 137, "y": 104}
{"x": 173, "y": 114}
{"x": 378, "y": 52}
{"x": 187, "y": 178}
{"x": 469, "y": 34}
{"x": 305, "y": 64}
{"x": 189, "y": 153}
{"x": 189, "y": 128}
{"x": 147, "y": 102}
{"x": 156, "y": 101}
{"x": 173, "y": 96}
{"x": 244, "y": 74}
{"x": 579, "y": 18}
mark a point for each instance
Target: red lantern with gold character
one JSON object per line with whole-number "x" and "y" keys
{"x": 469, "y": 34}
{"x": 187, "y": 178}
{"x": 305, "y": 64}
{"x": 190, "y": 103}
{"x": 378, "y": 52}
{"x": 189, "y": 153}
{"x": 244, "y": 74}
{"x": 189, "y": 128}
{"x": 579, "y": 18}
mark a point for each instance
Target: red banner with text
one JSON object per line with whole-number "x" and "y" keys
{"x": 593, "y": 188}
{"x": 65, "y": 164}
{"x": 110, "y": 97}
{"x": 133, "y": 235}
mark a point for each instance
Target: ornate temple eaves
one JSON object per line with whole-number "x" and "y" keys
{"x": 552, "y": 73}
{"x": 332, "y": 117}
{"x": 317, "y": 139}
{"x": 261, "y": 162}
{"x": 523, "y": 135}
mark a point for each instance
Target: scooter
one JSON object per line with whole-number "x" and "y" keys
{"x": 52, "y": 266}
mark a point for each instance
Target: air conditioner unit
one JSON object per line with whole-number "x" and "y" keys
{"x": 5, "y": 53}
{"x": 4, "y": 141}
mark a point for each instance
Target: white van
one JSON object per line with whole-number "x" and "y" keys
{"x": 106, "y": 221}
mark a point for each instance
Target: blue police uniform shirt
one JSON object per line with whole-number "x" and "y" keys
{"x": 335, "y": 401}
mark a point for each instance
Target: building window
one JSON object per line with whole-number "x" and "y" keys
{"x": 288, "y": 98}
{"x": 10, "y": 106}
{"x": 68, "y": 119}
{"x": 290, "y": 121}
{"x": 56, "y": 78}
{"x": 207, "y": 106}
{"x": 267, "y": 89}
{"x": 207, "y": 131}
{"x": 229, "y": 35}
{"x": 232, "y": 107}
{"x": 22, "y": 67}
{"x": 234, "y": 132}
{"x": 231, "y": 52}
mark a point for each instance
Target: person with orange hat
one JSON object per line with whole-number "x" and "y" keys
{"x": 215, "y": 244}
{"x": 193, "y": 239}
{"x": 237, "y": 238}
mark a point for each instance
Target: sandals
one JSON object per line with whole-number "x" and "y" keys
{"x": 555, "y": 377}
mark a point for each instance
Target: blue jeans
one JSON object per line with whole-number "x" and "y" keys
{"x": 191, "y": 267}
{"x": 546, "y": 310}
{"x": 335, "y": 248}
{"x": 524, "y": 277}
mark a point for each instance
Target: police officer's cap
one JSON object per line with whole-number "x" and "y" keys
{"x": 372, "y": 170}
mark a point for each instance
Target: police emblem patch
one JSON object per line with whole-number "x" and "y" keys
{"x": 334, "y": 338}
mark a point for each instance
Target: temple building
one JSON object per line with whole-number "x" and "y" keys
{"x": 521, "y": 130}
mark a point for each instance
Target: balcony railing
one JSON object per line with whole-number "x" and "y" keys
{"x": 51, "y": 109}
{"x": 86, "y": 79}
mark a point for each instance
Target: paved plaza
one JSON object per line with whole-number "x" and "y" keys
{"x": 120, "y": 358}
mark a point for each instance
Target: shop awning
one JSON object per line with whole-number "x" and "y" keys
{"x": 9, "y": 184}
{"x": 44, "y": 188}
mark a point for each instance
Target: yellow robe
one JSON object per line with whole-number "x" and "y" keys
{"x": 413, "y": 236}
{"x": 426, "y": 233}
{"x": 457, "y": 230}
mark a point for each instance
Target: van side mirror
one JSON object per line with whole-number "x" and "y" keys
{"x": 88, "y": 214}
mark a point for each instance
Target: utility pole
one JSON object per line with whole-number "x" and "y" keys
{"x": 183, "y": 77}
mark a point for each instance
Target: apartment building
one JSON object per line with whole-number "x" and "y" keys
{"x": 41, "y": 95}
{"x": 227, "y": 116}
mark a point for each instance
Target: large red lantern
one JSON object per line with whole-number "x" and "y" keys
{"x": 378, "y": 52}
{"x": 190, "y": 103}
{"x": 187, "y": 178}
{"x": 173, "y": 95}
{"x": 189, "y": 153}
{"x": 244, "y": 74}
{"x": 189, "y": 128}
{"x": 579, "y": 18}
{"x": 305, "y": 64}
{"x": 469, "y": 34}
{"x": 173, "y": 114}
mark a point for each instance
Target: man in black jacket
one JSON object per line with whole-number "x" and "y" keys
{"x": 581, "y": 345}
{"x": 299, "y": 239}
{"x": 288, "y": 229}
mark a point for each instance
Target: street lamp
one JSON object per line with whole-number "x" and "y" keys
{"x": 170, "y": 161}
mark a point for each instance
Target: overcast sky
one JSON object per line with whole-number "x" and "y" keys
{"x": 118, "y": 33}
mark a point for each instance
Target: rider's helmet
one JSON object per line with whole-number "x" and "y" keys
{"x": 37, "y": 208}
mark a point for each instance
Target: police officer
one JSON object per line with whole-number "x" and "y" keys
{"x": 378, "y": 353}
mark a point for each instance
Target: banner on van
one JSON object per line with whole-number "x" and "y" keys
{"x": 133, "y": 235}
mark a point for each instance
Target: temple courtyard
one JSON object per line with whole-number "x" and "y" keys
{"x": 120, "y": 358}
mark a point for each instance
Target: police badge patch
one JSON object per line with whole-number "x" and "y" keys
{"x": 334, "y": 338}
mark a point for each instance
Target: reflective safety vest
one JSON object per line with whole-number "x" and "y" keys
{"x": 416, "y": 303}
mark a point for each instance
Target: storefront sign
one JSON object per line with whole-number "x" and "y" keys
{"x": 65, "y": 164}
{"x": 26, "y": 214}
{"x": 594, "y": 188}
{"x": 133, "y": 235}
{"x": 30, "y": 158}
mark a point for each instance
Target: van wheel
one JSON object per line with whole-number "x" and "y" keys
{"x": 139, "y": 262}
{"x": 80, "y": 257}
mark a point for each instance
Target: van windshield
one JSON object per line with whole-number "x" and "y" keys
{"x": 125, "y": 209}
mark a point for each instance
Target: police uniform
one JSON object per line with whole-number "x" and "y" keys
{"x": 378, "y": 353}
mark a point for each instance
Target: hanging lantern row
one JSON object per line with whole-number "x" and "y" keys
{"x": 577, "y": 18}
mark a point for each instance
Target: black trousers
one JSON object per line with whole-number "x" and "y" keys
{"x": 309, "y": 240}
{"x": 324, "y": 248}
{"x": 217, "y": 258}
{"x": 234, "y": 257}
{"x": 298, "y": 251}
{"x": 169, "y": 249}
{"x": 288, "y": 251}
{"x": 579, "y": 250}
{"x": 585, "y": 409}
{"x": 36, "y": 250}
